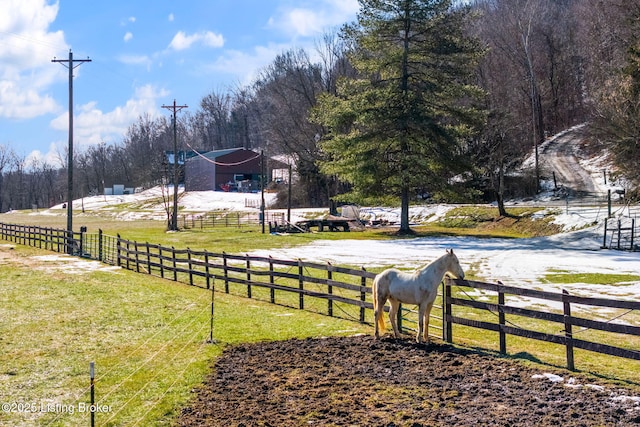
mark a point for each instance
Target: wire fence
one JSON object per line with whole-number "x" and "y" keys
{"x": 228, "y": 219}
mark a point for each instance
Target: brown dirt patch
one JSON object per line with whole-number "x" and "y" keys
{"x": 358, "y": 381}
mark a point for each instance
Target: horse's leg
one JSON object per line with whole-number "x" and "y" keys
{"x": 378, "y": 321}
{"x": 421, "y": 310}
{"x": 374, "y": 292}
{"x": 393, "y": 316}
{"x": 379, "y": 300}
{"x": 427, "y": 314}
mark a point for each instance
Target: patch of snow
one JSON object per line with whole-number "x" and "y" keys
{"x": 551, "y": 377}
{"x": 73, "y": 265}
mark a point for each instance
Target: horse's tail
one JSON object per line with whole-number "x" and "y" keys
{"x": 375, "y": 291}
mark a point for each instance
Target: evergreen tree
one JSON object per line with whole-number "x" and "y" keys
{"x": 397, "y": 129}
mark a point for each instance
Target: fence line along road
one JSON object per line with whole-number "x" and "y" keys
{"x": 345, "y": 292}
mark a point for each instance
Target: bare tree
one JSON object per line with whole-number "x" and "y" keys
{"x": 285, "y": 92}
{"x": 6, "y": 159}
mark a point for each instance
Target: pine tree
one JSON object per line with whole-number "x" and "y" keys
{"x": 399, "y": 127}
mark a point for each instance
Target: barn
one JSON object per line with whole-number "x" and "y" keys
{"x": 233, "y": 169}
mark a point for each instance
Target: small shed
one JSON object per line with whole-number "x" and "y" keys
{"x": 233, "y": 169}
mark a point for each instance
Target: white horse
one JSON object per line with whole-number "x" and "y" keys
{"x": 418, "y": 288}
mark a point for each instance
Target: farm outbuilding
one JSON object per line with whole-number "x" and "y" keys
{"x": 233, "y": 169}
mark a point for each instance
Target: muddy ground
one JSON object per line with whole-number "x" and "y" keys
{"x": 358, "y": 381}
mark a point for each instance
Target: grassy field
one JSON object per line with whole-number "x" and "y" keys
{"x": 147, "y": 336}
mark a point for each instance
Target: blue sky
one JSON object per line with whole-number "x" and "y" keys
{"x": 144, "y": 53}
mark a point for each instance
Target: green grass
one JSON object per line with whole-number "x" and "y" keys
{"x": 238, "y": 319}
{"x": 147, "y": 337}
{"x": 563, "y": 277}
{"x": 485, "y": 221}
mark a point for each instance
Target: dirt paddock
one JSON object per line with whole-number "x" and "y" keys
{"x": 358, "y": 381}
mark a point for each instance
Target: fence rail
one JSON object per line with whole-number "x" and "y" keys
{"x": 564, "y": 320}
{"x": 345, "y": 292}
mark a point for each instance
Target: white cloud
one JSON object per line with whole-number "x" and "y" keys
{"x": 26, "y": 49}
{"x": 313, "y": 20}
{"x": 128, "y": 36}
{"x": 182, "y": 41}
{"x": 246, "y": 65}
{"x": 18, "y": 101}
{"x": 129, "y": 20}
{"x": 92, "y": 125}
{"x": 136, "y": 60}
{"x": 171, "y": 17}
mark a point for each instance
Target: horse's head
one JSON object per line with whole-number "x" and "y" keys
{"x": 453, "y": 265}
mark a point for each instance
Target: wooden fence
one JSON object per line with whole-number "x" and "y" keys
{"x": 51, "y": 239}
{"x": 345, "y": 292}
{"x": 562, "y": 322}
{"x": 284, "y": 282}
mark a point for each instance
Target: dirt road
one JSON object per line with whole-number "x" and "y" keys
{"x": 561, "y": 155}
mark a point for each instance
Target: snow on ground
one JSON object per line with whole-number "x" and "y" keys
{"x": 516, "y": 262}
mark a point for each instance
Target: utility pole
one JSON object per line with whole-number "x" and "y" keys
{"x": 70, "y": 64}
{"x": 174, "y": 215}
{"x": 262, "y": 168}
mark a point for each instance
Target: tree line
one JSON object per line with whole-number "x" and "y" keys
{"x": 416, "y": 99}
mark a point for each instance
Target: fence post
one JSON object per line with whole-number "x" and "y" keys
{"x": 190, "y": 266}
{"x": 118, "y": 250}
{"x": 502, "y": 321}
{"x": 329, "y": 289}
{"x": 82, "y": 234}
{"x": 92, "y": 392}
{"x": 175, "y": 268}
{"x": 633, "y": 230}
{"x": 604, "y": 238}
{"x": 272, "y": 281}
{"x": 206, "y": 268}
{"x": 446, "y": 319}
{"x": 135, "y": 247}
{"x": 226, "y": 272}
{"x": 301, "y": 283}
{"x": 363, "y": 294}
{"x": 100, "y": 253}
{"x": 567, "y": 330}
{"x": 128, "y": 253}
{"x": 68, "y": 235}
{"x": 248, "y": 276}
{"x": 160, "y": 261}
{"x": 619, "y": 232}
{"x": 148, "y": 258}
